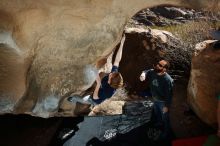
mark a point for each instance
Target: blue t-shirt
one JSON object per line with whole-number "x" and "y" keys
{"x": 105, "y": 90}
{"x": 160, "y": 85}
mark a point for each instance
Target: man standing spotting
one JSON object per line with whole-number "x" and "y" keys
{"x": 161, "y": 85}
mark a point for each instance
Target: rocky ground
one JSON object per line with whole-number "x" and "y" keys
{"x": 169, "y": 16}
{"x": 25, "y": 130}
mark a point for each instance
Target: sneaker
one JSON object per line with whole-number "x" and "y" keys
{"x": 85, "y": 100}
{"x": 91, "y": 101}
{"x": 74, "y": 98}
{"x": 88, "y": 99}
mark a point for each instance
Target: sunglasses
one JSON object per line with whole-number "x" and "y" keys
{"x": 160, "y": 65}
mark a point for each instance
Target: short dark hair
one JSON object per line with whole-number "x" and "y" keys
{"x": 116, "y": 80}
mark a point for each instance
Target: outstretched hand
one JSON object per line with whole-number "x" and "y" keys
{"x": 142, "y": 76}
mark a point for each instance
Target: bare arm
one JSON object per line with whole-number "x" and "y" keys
{"x": 119, "y": 53}
{"x": 96, "y": 91}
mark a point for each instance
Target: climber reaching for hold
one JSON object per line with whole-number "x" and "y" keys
{"x": 106, "y": 86}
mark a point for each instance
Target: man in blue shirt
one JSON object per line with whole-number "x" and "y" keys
{"x": 161, "y": 85}
{"x": 106, "y": 86}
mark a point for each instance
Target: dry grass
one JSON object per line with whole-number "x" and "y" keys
{"x": 193, "y": 32}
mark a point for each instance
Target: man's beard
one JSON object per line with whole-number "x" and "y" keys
{"x": 157, "y": 70}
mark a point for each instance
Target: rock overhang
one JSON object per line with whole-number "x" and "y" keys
{"x": 60, "y": 43}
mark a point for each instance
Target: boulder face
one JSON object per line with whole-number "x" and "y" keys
{"x": 204, "y": 80}
{"x": 50, "y": 49}
{"x": 145, "y": 47}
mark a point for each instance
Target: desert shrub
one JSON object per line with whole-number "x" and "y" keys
{"x": 189, "y": 34}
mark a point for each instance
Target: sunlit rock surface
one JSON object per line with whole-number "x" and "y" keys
{"x": 204, "y": 80}
{"x": 50, "y": 48}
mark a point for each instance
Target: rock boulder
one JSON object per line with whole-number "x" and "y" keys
{"x": 204, "y": 81}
